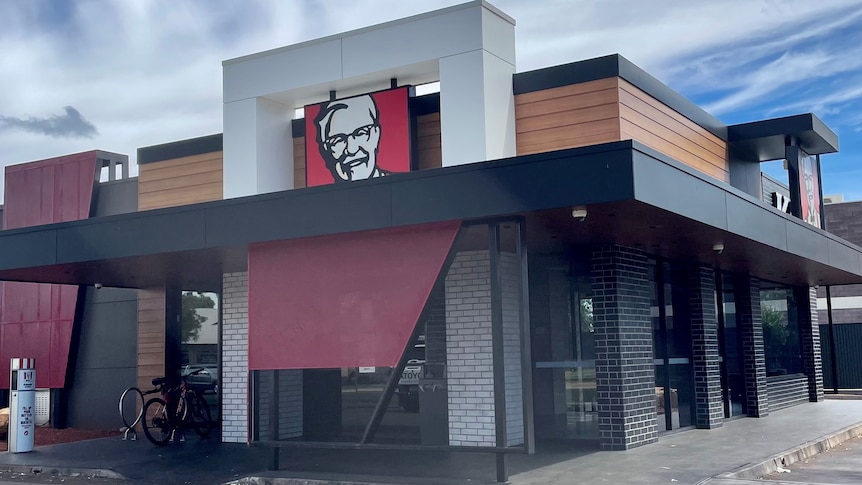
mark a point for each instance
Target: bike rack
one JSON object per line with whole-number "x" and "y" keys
{"x": 131, "y": 427}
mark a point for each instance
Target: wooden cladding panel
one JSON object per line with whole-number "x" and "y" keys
{"x": 299, "y": 162}
{"x": 610, "y": 110}
{"x": 151, "y": 336}
{"x": 567, "y": 117}
{"x": 180, "y": 181}
{"x": 647, "y": 120}
{"x": 429, "y": 147}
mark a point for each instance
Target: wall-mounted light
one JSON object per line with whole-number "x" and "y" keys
{"x": 718, "y": 248}
{"x": 579, "y": 213}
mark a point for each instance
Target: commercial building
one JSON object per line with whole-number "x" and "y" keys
{"x": 576, "y": 252}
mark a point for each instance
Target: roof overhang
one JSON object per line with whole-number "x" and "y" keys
{"x": 634, "y": 196}
{"x": 766, "y": 140}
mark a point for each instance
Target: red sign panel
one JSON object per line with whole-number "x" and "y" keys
{"x": 347, "y": 300}
{"x": 357, "y": 138}
{"x": 36, "y": 319}
{"x": 809, "y": 188}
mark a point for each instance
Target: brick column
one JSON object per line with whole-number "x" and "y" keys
{"x": 234, "y": 385}
{"x": 750, "y": 324}
{"x": 709, "y": 405}
{"x": 809, "y": 339}
{"x": 625, "y": 373}
{"x": 469, "y": 351}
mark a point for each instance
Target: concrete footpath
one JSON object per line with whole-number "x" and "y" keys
{"x": 742, "y": 450}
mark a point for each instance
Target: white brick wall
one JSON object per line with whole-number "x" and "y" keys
{"x": 510, "y": 272}
{"x": 469, "y": 357}
{"x": 235, "y": 358}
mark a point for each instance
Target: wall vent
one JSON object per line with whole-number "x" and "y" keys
{"x": 43, "y": 406}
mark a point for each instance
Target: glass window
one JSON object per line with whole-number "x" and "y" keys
{"x": 199, "y": 345}
{"x": 780, "y": 331}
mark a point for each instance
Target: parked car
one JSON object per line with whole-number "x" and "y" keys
{"x": 203, "y": 381}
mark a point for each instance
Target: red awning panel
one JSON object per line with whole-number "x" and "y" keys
{"x": 341, "y": 301}
{"x": 36, "y": 319}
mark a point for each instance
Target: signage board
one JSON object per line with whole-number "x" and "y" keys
{"x": 22, "y": 405}
{"x": 357, "y": 138}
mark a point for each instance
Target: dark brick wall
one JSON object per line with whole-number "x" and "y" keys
{"x": 845, "y": 220}
{"x": 749, "y": 322}
{"x": 625, "y": 379}
{"x": 709, "y": 406}
{"x": 809, "y": 336}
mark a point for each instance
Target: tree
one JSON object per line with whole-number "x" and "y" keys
{"x": 191, "y": 320}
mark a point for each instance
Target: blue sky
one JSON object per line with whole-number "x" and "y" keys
{"x": 123, "y": 74}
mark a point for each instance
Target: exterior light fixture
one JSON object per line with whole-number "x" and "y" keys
{"x": 579, "y": 213}
{"x": 718, "y": 248}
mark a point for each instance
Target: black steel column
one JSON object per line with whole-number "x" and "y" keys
{"x": 497, "y": 346}
{"x": 526, "y": 343}
{"x": 833, "y": 354}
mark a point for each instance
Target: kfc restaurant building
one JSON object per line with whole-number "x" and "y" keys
{"x": 572, "y": 253}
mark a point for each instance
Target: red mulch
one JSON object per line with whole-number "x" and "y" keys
{"x": 50, "y": 436}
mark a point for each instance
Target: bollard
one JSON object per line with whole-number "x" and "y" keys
{"x": 22, "y": 405}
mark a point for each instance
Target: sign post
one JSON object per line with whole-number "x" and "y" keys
{"x": 22, "y": 405}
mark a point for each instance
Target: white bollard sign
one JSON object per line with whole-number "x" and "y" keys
{"x": 22, "y": 405}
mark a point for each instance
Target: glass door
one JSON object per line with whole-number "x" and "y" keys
{"x": 564, "y": 386}
{"x": 732, "y": 378}
{"x": 672, "y": 347}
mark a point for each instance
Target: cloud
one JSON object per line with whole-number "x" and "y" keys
{"x": 155, "y": 75}
{"x": 68, "y": 125}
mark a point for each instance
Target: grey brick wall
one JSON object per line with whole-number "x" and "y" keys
{"x": 625, "y": 379}
{"x": 750, "y": 324}
{"x": 469, "y": 352}
{"x": 234, "y": 384}
{"x": 709, "y": 404}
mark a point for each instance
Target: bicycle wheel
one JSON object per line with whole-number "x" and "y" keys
{"x": 199, "y": 415}
{"x": 157, "y": 425}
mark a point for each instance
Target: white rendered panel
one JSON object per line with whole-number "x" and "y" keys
{"x": 498, "y": 36}
{"x": 286, "y": 70}
{"x": 274, "y": 147}
{"x": 499, "y": 108}
{"x": 477, "y": 114}
{"x": 462, "y": 109}
{"x": 240, "y": 149}
{"x": 427, "y": 38}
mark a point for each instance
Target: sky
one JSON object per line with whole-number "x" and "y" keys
{"x": 118, "y": 75}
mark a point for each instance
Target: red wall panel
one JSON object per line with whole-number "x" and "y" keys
{"x": 36, "y": 319}
{"x": 341, "y": 301}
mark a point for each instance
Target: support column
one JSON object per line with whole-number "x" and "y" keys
{"x": 809, "y": 337}
{"x": 625, "y": 378}
{"x": 234, "y": 386}
{"x": 709, "y": 406}
{"x": 750, "y": 324}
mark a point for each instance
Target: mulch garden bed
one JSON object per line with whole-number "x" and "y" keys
{"x": 50, "y": 436}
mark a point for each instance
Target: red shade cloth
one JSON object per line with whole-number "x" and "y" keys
{"x": 347, "y": 300}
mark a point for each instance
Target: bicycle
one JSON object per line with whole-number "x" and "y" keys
{"x": 178, "y": 408}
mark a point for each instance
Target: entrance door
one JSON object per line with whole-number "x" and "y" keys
{"x": 564, "y": 384}
{"x": 672, "y": 347}
{"x": 732, "y": 379}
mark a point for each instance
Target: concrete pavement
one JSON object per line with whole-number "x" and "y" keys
{"x": 725, "y": 456}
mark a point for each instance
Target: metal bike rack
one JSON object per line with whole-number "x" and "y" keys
{"x": 131, "y": 427}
